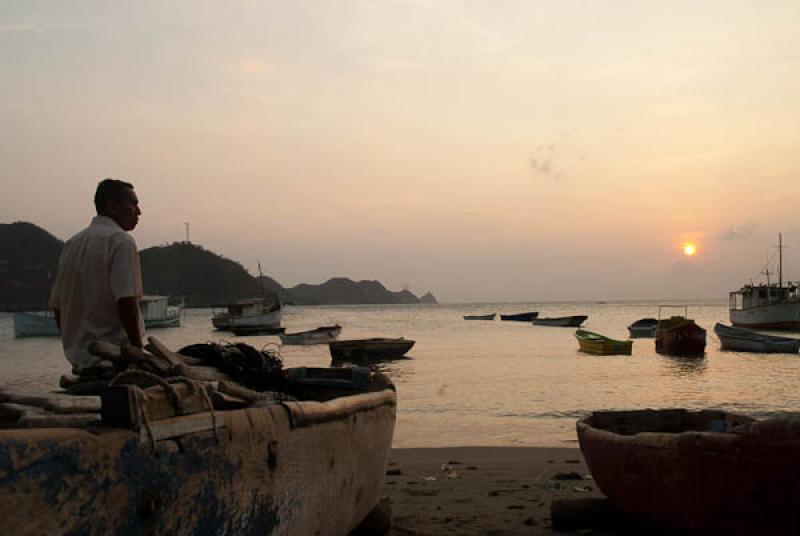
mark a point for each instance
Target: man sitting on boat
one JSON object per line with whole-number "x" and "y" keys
{"x": 99, "y": 281}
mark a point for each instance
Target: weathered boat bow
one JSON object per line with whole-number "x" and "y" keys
{"x": 307, "y": 467}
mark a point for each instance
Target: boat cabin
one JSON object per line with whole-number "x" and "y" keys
{"x": 760, "y": 295}
{"x": 154, "y": 306}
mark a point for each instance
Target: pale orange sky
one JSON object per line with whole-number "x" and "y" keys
{"x": 508, "y": 150}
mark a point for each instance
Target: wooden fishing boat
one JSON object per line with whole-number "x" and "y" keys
{"x": 697, "y": 472}
{"x": 364, "y": 350}
{"x": 480, "y": 317}
{"x": 320, "y": 335}
{"x": 745, "y": 340}
{"x": 520, "y": 317}
{"x": 561, "y": 321}
{"x": 767, "y": 306}
{"x": 643, "y": 328}
{"x": 312, "y": 465}
{"x": 594, "y": 343}
{"x": 679, "y": 335}
{"x": 35, "y": 324}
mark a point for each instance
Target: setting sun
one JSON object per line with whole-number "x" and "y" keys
{"x": 689, "y": 249}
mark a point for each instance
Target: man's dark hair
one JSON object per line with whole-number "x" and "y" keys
{"x": 110, "y": 190}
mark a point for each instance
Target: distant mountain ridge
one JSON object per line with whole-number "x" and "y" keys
{"x": 29, "y": 260}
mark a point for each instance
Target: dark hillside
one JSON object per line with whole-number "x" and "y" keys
{"x": 341, "y": 290}
{"x": 28, "y": 264}
{"x": 204, "y": 278}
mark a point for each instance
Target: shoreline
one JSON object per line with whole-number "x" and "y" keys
{"x": 482, "y": 490}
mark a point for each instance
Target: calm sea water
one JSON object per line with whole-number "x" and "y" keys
{"x": 495, "y": 383}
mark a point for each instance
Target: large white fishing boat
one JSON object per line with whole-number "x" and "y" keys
{"x": 767, "y": 306}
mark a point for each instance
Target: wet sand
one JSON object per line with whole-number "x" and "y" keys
{"x": 482, "y": 490}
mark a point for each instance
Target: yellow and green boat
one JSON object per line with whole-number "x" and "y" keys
{"x": 594, "y": 343}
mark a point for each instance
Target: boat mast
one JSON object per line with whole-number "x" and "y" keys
{"x": 780, "y": 260}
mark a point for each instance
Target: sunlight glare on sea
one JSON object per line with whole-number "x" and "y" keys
{"x": 493, "y": 382}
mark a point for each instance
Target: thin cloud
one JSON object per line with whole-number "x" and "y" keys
{"x": 738, "y": 232}
{"x": 20, "y": 28}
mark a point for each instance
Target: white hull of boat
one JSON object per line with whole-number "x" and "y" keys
{"x": 269, "y": 320}
{"x": 173, "y": 321}
{"x": 35, "y": 325}
{"x": 310, "y": 337}
{"x": 744, "y": 340}
{"x": 775, "y": 316}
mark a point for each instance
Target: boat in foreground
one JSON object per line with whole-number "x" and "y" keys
{"x": 364, "y": 350}
{"x": 643, "y": 328}
{"x": 767, "y": 306}
{"x": 320, "y": 335}
{"x": 697, "y": 472}
{"x": 313, "y": 464}
{"x": 561, "y": 321}
{"x": 594, "y": 343}
{"x": 480, "y": 317}
{"x": 521, "y": 317}
{"x": 679, "y": 335}
{"x": 745, "y": 340}
{"x": 35, "y": 324}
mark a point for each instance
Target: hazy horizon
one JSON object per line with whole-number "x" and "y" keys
{"x": 512, "y": 151}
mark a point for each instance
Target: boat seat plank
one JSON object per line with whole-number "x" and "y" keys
{"x": 54, "y": 402}
{"x": 49, "y": 420}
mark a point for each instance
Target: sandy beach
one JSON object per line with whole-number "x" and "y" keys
{"x": 482, "y": 490}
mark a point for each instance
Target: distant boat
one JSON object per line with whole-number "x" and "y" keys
{"x": 561, "y": 321}
{"x": 369, "y": 349}
{"x": 679, "y": 335}
{"x": 745, "y": 340}
{"x": 158, "y": 313}
{"x": 644, "y": 328}
{"x": 594, "y": 343}
{"x": 320, "y": 335}
{"x": 35, "y": 324}
{"x": 767, "y": 306}
{"x": 480, "y": 317}
{"x": 255, "y": 313}
{"x": 521, "y": 317}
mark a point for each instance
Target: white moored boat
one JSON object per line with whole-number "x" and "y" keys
{"x": 320, "y": 335}
{"x": 745, "y": 340}
{"x": 250, "y": 314}
{"x": 157, "y": 313}
{"x": 767, "y": 306}
{"x": 35, "y": 324}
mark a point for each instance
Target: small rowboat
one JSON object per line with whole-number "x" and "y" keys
{"x": 480, "y": 317}
{"x": 644, "y": 328}
{"x": 679, "y": 335}
{"x": 320, "y": 335}
{"x": 521, "y": 317}
{"x": 363, "y": 350}
{"x": 745, "y": 340}
{"x": 594, "y": 343}
{"x": 697, "y": 472}
{"x": 561, "y": 321}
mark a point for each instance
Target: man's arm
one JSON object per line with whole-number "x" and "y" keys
{"x": 129, "y": 316}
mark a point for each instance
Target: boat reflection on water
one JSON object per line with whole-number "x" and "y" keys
{"x": 683, "y": 367}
